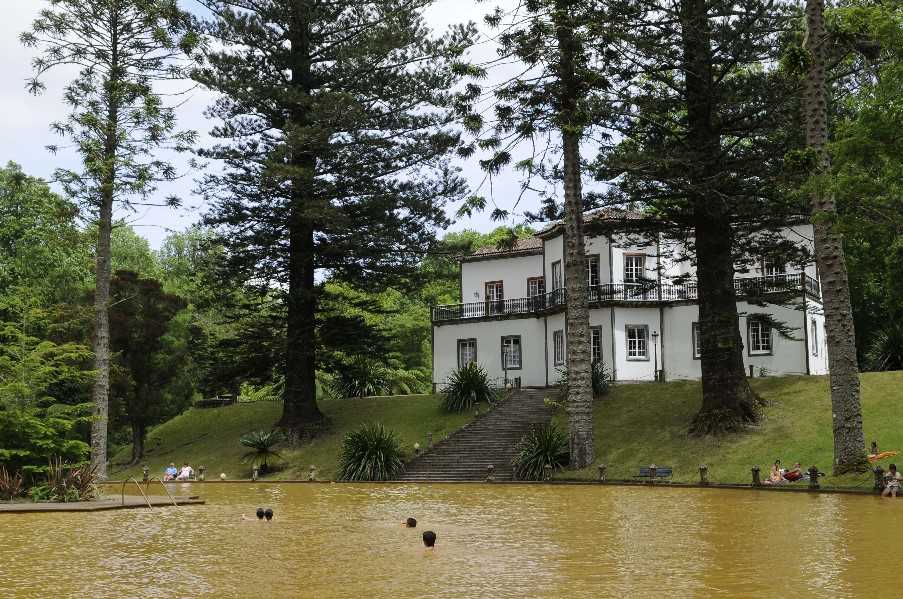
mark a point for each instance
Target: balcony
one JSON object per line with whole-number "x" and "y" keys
{"x": 610, "y": 294}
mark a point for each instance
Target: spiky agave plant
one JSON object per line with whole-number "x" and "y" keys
{"x": 262, "y": 448}
{"x": 467, "y": 386}
{"x": 543, "y": 445}
{"x": 371, "y": 453}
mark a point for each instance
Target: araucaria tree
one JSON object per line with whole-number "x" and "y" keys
{"x": 117, "y": 124}
{"x": 547, "y": 108}
{"x": 334, "y": 132}
{"x": 849, "y": 441}
{"x": 699, "y": 121}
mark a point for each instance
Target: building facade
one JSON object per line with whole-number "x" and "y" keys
{"x": 643, "y": 313}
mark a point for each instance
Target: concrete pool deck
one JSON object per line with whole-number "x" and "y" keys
{"x": 102, "y": 504}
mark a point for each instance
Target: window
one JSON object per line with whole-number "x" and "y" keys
{"x": 813, "y": 336}
{"x": 634, "y": 268}
{"x": 536, "y": 286}
{"x": 592, "y": 271}
{"x": 596, "y": 344}
{"x": 637, "y": 345}
{"x": 511, "y": 353}
{"x": 772, "y": 268}
{"x": 759, "y": 334}
{"x": 495, "y": 291}
{"x": 697, "y": 346}
{"x": 556, "y": 275}
{"x": 495, "y": 296}
{"x": 558, "y": 347}
{"x": 467, "y": 352}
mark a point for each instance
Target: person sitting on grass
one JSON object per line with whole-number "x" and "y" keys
{"x": 892, "y": 482}
{"x": 794, "y": 474}
{"x": 429, "y": 539}
{"x": 170, "y": 472}
{"x": 186, "y": 472}
{"x": 776, "y": 477}
{"x": 410, "y": 523}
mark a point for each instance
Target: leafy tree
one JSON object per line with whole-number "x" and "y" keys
{"x": 145, "y": 364}
{"x": 700, "y": 121}
{"x": 117, "y": 122}
{"x": 334, "y": 134}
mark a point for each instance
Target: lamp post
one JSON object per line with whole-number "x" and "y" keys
{"x": 655, "y": 352}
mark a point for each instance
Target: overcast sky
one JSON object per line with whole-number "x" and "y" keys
{"x": 26, "y": 119}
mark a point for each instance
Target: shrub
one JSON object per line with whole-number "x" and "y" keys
{"x": 601, "y": 381}
{"x": 467, "y": 386}
{"x": 371, "y": 453}
{"x": 11, "y": 485}
{"x": 66, "y": 483}
{"x": 543, "y": 445}
{"x": 361, "y": 377}
{"x": 272, "y": 391}
{"x": 262, "y": 452}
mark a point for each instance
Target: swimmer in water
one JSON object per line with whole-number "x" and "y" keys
{"x": 429, "y": 539}
{"x": 260, "y": 515}
{"x": 410, "y": 523}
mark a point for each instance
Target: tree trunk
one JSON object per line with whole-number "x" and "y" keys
{"x": 101, "y": 390}
{"x": 728, "y": 402}
{"x": 580, "y": 390}
{"x": 138, "y": 435}
{"x": 849, "y": 440}
{"x": 300, "y": 415}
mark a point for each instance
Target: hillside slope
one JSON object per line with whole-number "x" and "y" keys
{"x": 210, "y": 436}
{"x": 647, "y": 423}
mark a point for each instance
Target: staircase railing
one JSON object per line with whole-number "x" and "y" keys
{"x": 140, "y": 490}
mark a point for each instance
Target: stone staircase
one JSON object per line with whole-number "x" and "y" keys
{"x": 490, "y": 439}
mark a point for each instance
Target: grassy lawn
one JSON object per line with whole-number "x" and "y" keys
{"x": 209, "y": 437}
{"x": 647, "y": 423}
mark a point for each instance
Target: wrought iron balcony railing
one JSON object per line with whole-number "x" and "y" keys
{"x": 616, "y": 293}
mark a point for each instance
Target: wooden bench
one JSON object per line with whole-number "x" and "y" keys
{"x": 660, "y": 472}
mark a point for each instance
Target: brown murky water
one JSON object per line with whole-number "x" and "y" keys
{"x": 345, "y": 540}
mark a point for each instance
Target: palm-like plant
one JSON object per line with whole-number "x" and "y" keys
{"x": 11, "y": 484}
{"x": 371, "y": 453}
{"x": 362, "y": 377}
{"x": 262, "y": 452}
{"x": 467, "y": 386}
{"x": 543, "y": 446}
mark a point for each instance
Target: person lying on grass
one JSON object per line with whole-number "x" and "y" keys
{"x": 794, "y": 474}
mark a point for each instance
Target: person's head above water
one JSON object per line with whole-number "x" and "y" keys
{"x": 260, "y": 513}
{"x": 268, "y": 514}
{"x": 429, "y": 538}
{"x": 411, "y": 523}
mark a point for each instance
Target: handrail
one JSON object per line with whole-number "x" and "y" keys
{"x": 143, "y": 494}
{"x": 640, "y": 292}
{"x": 168, "y": 494}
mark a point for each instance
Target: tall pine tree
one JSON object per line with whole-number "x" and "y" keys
{"x": 334, "y": 136}
{"x": 699, "y": 128}
{"x": 117, "y": 123}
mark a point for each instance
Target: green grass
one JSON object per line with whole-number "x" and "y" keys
{"x": 647, "y": 423}
{"x": 209, "y": 437}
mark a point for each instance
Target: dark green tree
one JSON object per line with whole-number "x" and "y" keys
{"x": 145, "y": 361}
{"x": 700, "y": 123}
{"x": 117, "y": 123}
{"x": 334, "y": 135}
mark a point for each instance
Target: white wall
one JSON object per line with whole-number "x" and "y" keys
{"x": 555, "y": 322}
{"x": 636, "y": 370}
{"x": 554, "y": 250}
{"x": 513, "y": 272}
{"x": 621, "y": 247}
{"x": 678, "y": 342}
{"x": 489, "y": 348}
{"x": 817, "y": 364}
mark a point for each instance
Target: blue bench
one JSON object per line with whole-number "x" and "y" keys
{"x": 661, "y": 472}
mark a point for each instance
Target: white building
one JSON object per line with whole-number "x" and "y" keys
{"x": 642, "y": 320}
